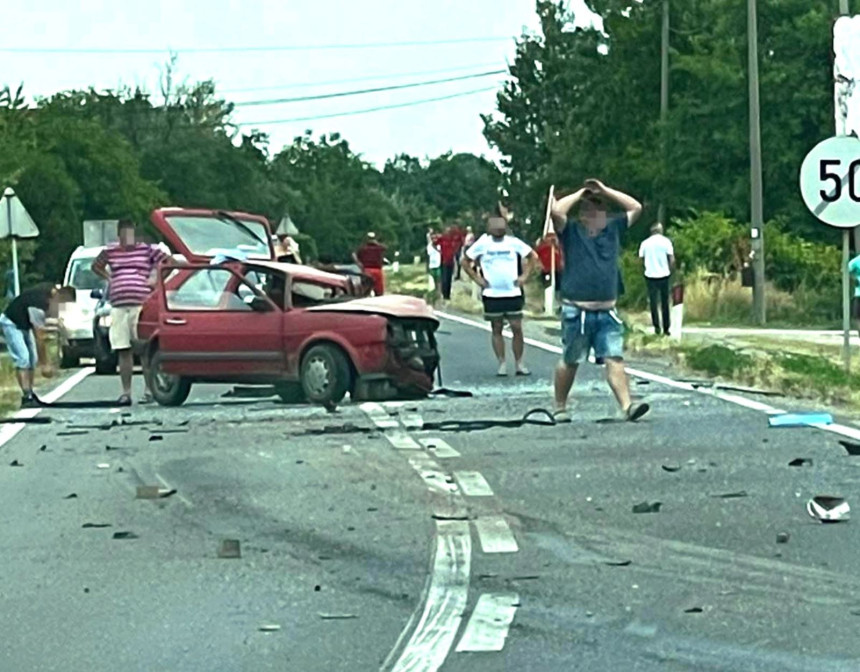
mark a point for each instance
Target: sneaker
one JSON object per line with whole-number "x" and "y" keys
{"x": 523, "y": 370}
{"x": 636, "y": 411}
{"x": 29, "y": 401}
{"x": 561, "y": 417}
{"x": 503, "y": 369}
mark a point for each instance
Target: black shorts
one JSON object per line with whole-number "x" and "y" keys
{"x": 503, "y": 307}
{"x": 855, "y": 307}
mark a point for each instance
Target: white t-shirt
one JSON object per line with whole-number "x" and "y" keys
{"x": 434, "y": 256}
{"x": 656, "y": 251}
{"x": 499, "y": 263}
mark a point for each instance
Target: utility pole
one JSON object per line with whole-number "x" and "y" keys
{"x": 664, "y": 99}
{"x": 844, "y": 10}
{"x": 756, "y": 207}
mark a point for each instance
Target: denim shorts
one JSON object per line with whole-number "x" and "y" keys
{"x": 20, "y": 345}
{"x": 582, "y": 330}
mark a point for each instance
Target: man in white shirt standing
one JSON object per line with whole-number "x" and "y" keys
{"x": 501, "y": 257}
{"x": 658, "y": 255}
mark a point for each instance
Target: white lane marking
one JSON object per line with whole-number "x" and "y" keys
{"x": 9, "y": 432}
{"x": 402, "y": 441}
{"x": 412, "y": 420}
{"x": 440, "y": 448}
{"x": 379, "y": 415}
{"x": 751, "y": 404}
{"x": 433, "y": 476}
{"x": 490, "y": 622}
{"x": 495, "y": 535}
{"x": 473, "y": 484}
{"x": 447, "y": 596}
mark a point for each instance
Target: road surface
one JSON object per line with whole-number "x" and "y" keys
{"x": 368, "y": 542}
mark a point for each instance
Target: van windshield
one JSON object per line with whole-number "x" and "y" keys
{"x": 81, "y": 275}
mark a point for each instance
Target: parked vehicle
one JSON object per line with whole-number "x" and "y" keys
{"x": 231, "y": 314}
{"x": 76, "y": 319}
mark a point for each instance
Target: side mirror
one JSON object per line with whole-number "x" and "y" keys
{"x": 258, "y": 304}
{"x": 97, "y": 294}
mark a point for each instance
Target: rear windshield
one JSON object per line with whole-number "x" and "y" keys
{"x": 81, "y": 275}
{"x": 210, "y": 236}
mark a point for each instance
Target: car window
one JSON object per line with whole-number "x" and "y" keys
{"x": 211, "y": 235}
{"x": 305, "y": 293}
{"x": 82, "y": 277}
{"x": 271, "y": 283}
{"x": 210, "y": 289}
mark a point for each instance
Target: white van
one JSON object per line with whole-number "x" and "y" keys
{"x": 76, "y": 319}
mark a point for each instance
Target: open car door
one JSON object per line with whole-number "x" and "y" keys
{"x": 203, "y": 235}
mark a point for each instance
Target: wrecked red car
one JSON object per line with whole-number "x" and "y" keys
{"x": 225, "y": 312}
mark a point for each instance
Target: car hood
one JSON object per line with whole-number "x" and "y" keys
{"x": 392, "y": 305}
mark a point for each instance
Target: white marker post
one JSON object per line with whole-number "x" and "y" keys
{"x": 548, "y": 228}
{"x": 830, "y": 186}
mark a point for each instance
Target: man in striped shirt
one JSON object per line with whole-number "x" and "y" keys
{"x": 128, "y": 267}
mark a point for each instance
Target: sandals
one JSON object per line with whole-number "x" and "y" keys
{"x": 124, "y": 401}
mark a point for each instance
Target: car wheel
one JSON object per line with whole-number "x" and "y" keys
{"x": 167, "y": 389}
{"x": 69, "y": 360}
{"x": 325, "y": 374}
{"x": 291, "y": 393}
{"x": 106, "y": 361}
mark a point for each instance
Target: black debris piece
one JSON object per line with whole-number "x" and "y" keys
{"x": 184, "y": 423}
{"x": 445, "y": 392}
{"x": 230, "y": 549}
{"x": 608, "y": 421}
{"x": 73, "y": 432}
{"x": 647, "y": 507}
{"x": 241, "y": 392}
{"x": 801, "y": 462}
{"x": 530, "y": 577}
{"x": 164, "y": 494}
{"x": 125, "y": 535}
{"x": 42, "y": 449}
{"x": 156, "y": 437}
{"x": 783, "y": 537}
{"x": 92, "y": 526}
{"x": 618, "y": 563}
{"x": 828, "y": 509}
{"x": 372, "y": 509}
{"x": 173, "y": 431}
{"x": 731, "y": 495}
{"x": 851, "y": 447}
{"x": 15, "y": 463}
{"x": 72, "y": 495}
{"x": 694, "y": 610}
{"x": 38, "y": 420}
{"x": 671, "y": 468}
{"x": 337, "y": 617}
{"x": 452, "y": 516}
{"x": 317, "y": 589}
{"x": 643, "y": 382}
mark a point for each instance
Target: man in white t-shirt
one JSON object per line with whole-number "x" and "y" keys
{"x": 501, "y": 256}
{"x": 658, "y": 255}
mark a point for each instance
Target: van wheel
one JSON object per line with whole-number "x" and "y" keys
{"x": 167, "y": 389}
{"x": 325, "y": 374}
{"x": 291, "y": 393}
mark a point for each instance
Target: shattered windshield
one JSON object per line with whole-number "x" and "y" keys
{"x": 208, "y": 236}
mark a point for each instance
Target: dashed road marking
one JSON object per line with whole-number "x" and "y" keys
{"x": 495, "y": 535}
{"x": 402, "y": 441}
{"x": 432, "y": 474}
{"x": 440, "y": 448}
{"x": 490, "y": 622}
{"x": 446, "y": 601}
{"x": 473, "y": 484}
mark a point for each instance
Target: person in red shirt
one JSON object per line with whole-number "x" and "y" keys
{"x": 459, "y": 241}
{"x": 370, "y": 257}
{"x": 448, "y": 244}
{"x": 546, "y": 249}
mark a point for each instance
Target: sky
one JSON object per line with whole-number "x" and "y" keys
{"x": 157, "y": 27}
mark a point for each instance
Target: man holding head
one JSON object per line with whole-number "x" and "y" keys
{"x": 501, "y": 256}
{"x": 591, "y": 245}
{"x": 128, "y": 266}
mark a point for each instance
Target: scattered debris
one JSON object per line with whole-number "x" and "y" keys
{"x": 43, "y": 448}
{"x": 241, "y": 392}
{"x": 94, "y": 526}
{"x": 156, "y": 437}
{"x": 850, "y": 447}
{"x": 453, "y": 516}
{"x": 643, "y": 382}
{"x": 337, "y": 617}
{"x": 445, "y": 392}
{"x": 317, "y": 589}
{"x": 731, "y": 495}
{"x": 154, "y": 492}
{"x": 647, "y": 507}
{"x": 125, "y": 535}
{"x": 783, "y": 537}
{"x": 694, "y": 610}
{"x": 801, "y": 462}
{"x": 230, "y": 548}
{"x": 103, "y": 465}
{"x": 671, "y": 468}
{"x": 73, "y": 432}
{"x": 38, "y": 420}
{"x": 528, "y": 577}
{"x": 15, "y": 463}
{"x": 799, "y": 419}
{"x": 269, "y": 627}
{"x": 618, "y": 563}
{"x": 173, "y": 431}
{"x": 749, "y": 390}
{"x": 828, "y": 509}
{"x": 73, "y": 495}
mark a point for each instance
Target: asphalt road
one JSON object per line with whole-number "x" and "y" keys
{"x": 369, "y": 542}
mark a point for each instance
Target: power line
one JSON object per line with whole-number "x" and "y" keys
{"x": 252, "y": 48}
{"x": 368, "y": 109}
{"x": 379, "y": 89}
{"x": 310, "y": 84}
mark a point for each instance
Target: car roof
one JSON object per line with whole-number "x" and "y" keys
{"x": 84, "y": 252}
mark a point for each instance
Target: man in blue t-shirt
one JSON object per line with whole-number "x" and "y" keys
{"x": 591, "y": 246}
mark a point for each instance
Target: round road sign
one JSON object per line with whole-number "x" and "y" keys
{"x": 830, "y": 182}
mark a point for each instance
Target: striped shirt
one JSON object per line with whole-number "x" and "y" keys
{"x": 130, "y": 271}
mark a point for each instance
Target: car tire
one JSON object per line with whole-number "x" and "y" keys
{"x": 69, "y": 360}
{"x": 326, "y": 374}
{"x": 167, "y": 389}
{"x": 291, "y": 393}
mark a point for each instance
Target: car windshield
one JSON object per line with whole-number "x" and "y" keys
{"x": 81, "y": 275}
{"x": 210, "y": 235}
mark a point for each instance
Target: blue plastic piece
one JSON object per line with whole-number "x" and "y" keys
{"x": 800, "y": 419}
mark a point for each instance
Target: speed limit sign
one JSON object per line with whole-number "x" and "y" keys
{"x": 830, "y": 182}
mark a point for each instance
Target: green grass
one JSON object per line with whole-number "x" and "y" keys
{"x": 718, "y": 361}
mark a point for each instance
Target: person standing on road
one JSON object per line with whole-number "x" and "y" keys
{"x": 658, "y": 256}
{"x": 129, "y": 267}
{"x": 590, "y": 248}
{"x": 371, "y": 257}
{"x": 500, "y": 256}
{"x": 434, "y": 267}
{"x": 23, "y": 324}
{"x": 447, "y": 244}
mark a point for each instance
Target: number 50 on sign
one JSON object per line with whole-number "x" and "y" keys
{"x": 830, "y": 182}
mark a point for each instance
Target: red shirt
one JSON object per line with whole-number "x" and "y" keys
{"x": 448, "y": 246}
{"x": 545, "y": 252}
{"x": 371, "y": 254}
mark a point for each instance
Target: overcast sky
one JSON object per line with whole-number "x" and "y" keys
{"x": 181, "y": 25}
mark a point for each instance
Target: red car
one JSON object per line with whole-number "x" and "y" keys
{"x": 229, "y": 313}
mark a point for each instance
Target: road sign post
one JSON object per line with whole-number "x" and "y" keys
{"x": 549, "y": 229}
{"x": 830, "y": 186}
{"x": 15, "y": 222}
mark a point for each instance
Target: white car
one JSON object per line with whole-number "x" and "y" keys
{"x": 76, "y": 319}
